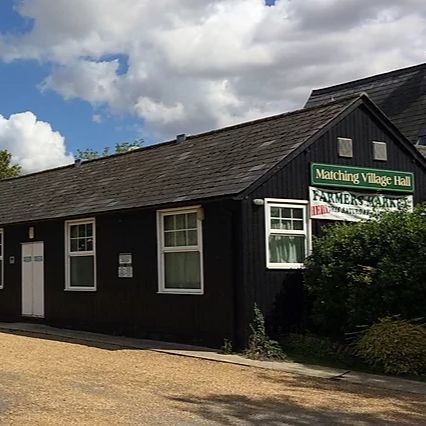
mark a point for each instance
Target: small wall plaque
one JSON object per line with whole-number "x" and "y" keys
{"x": 125, "y": 272}
{"x": 125, "y": 258}
{"x": 12, "y": 260}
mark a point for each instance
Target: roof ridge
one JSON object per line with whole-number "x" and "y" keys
{"x": 276, "y": 116}
{"x": 198, "y": 135}
{"x": 367, "y": 79}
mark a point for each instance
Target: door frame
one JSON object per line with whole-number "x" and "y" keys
{"x": 32, "y": 315}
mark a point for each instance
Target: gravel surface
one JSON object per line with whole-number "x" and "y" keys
{"x": 52, "y": 382}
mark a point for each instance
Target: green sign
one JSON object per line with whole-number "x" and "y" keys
{"x": 361, "y": 177}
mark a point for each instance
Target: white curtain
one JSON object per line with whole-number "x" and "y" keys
{"x": 286, "y": 249}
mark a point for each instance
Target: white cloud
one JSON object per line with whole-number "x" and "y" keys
{"x": 33, "y": 143}
{"x": 97, "y": 118}
{"x": 194, "y": 65}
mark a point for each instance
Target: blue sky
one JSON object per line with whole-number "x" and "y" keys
{"x": 19, "y": 85}
{"x": 88, "y": 76}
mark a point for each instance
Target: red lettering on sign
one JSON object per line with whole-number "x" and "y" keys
{"x": 319, "y": 210}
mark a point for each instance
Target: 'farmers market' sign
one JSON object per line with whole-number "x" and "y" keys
{"x": 360, "y": 177}
{"x": 353, "y": 206}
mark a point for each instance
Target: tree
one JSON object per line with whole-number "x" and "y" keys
{"x": 90, "y": 154}
{"x": 360, "y": 272}
{"x": 8, "y": 170}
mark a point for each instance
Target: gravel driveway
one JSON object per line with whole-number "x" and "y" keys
{"x": 52, "y": 382}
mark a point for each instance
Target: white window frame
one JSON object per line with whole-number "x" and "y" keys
{"x": 161, "y": 249}
{"x": 2, "y": 259}
{"x": 278, "y": 202}
{"x": 68, "y": 254}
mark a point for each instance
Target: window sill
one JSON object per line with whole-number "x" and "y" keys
{"x": 80, "y": 289}
{"x": 182, "y": 292}
{"x": 288, "y": 266}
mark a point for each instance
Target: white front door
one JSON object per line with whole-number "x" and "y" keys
{"x": 33, "y": 279}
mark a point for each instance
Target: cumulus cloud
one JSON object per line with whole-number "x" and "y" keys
{"x": 33, "y": 143}
{"x": 194, "y": 65}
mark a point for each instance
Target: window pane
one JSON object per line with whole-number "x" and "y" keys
{"x": 82, "y": 230}
{"x": 275, "y": 212}
{"x": 181, "y": 238}
{"x": 286, "y": 249}
{"x": 286, "y": 224}
{"x": 81, "y": 244}
{"x": 192, "y": 220}
{"x": 1, "y": 274}
{"x": 275, "y": 224}
{"x": 298, "y": 213}
{"x": 285, "y": 212}
{"x": 169, "y": 222}
{"x": 192, "y": 238}
{"x": 89, "y": 244}
{"x": 180, "y": 221}
{"x": 74, "y": 244}
{"x": 182, "y": 270}
{"x": 82, "y": 271}
{"x": 169, "y": 239}
{"x": 74, "y": 231}
{"x": 298, "y": 225}
{"x": 89, "y": 230}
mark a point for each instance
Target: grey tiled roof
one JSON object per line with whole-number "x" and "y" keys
{"x": 400, "y": 94}
{"x": 212, "y": 164}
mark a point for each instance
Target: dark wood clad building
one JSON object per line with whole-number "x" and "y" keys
{"x": 179, "y": 240}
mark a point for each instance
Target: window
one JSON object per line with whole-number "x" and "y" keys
{"x": 287, "y": 236}
{"x": 1, "y": 259}
{"x": 80, "y": 255}
{"x": 180, "y": 255}
{"x": 344, "y": 147}
{"x": 380, "y": 151}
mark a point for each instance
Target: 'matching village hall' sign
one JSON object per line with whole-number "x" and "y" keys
{"x": 341, "y": 204}
{"x": 360, "y": 177}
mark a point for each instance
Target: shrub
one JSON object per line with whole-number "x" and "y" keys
{"x": 396, "y": 345}
{"x": 227, "y": 347}
{"x": 260, "y": 346}
{"x": 359, "y": 272}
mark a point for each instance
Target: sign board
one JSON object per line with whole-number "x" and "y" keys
{"x": 125, "y": 272}
{"x": 124, "y": 258}
{"x": 361, "y": 177}
{"x": 353, "y": 206}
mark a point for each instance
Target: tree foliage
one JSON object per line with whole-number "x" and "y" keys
{"x": 91, "y": 154}
{"x": 360, "y": 272}
{"x": 7, "y": 169}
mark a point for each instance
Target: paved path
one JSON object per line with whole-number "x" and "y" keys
{"x": 365, "y": 379}
{"x": 52, "y": 380}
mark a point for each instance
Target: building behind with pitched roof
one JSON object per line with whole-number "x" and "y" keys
{"x": 400, "y": 94}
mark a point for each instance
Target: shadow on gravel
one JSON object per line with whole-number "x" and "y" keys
{"x": 104, "y": 341}
{"x": 240, "y": 409}
{"x": 307, "y": 401}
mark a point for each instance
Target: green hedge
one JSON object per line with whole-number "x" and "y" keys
{"x": 360, "y": 272}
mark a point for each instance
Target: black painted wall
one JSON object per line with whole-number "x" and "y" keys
{"x": 283, "y": 288}
{"x": 131, "y": 306}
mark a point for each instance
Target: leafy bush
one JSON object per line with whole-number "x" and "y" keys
{"x": 260, "y": 346}
{"x": 396, "y": 345}
{"x": 227, "y": 347}
{"x": 363, "y": 271}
